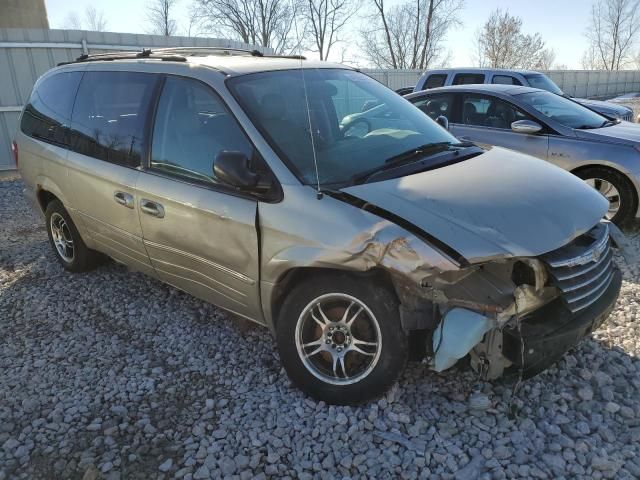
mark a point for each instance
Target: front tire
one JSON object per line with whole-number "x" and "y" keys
{"x": 67, "y": 244}
{"x": 340, "y": 339}
{"x": 617, "y": 189}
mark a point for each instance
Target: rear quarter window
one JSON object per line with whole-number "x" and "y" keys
{"x": 47, "y": 115}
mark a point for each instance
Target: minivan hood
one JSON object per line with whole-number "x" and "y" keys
{"x": 498, "y": 204}
{"x": 625, "y": 133}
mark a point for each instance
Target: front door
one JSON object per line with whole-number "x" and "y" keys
{"x": 487, "y": 120}
{"x": 200, "y": 235}
{"x": 106, "y": 141}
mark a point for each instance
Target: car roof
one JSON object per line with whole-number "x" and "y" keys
{"x": 480, "y": 69}
{"x": 479, "y": 88}
{"x": 231, "y": 62}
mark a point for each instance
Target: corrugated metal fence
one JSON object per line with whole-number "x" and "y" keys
{"x": 25, "y": 54}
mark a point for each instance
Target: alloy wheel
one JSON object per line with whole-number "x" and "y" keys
{"x": 62, "y": 238}
{"x": 338, "y": 339}
{"x": 608, "y": 191}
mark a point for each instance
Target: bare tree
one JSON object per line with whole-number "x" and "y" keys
{"x": 160, "y": 17}
{"x": 545, "y": 59}
{"x": 96, "y": 20}
{"x": 409, "y": 34}
{"x": 326, "y": 19}
{"x": 612, "y": 32}
{"x": 501, "y": 44}
{"x": 268, "y": 23}
{"x": 72, "y": 21}
{"x": 195, "y": 22}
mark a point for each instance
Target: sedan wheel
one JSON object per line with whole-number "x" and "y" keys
{"x": 610, "y": 192}
{"x": 616, "y": 188}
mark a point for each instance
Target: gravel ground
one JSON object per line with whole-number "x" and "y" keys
{"x": 114, "y": 375}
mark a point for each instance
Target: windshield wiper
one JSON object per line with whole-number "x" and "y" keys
{"x": 417, "y": 152}
{"x": 408, "y": 157}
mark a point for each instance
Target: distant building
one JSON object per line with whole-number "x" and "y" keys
{"x": 23, "y": 14}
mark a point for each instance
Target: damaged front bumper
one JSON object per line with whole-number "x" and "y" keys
{"x": 524, "y": 322}
{"x": 546, "y": 335}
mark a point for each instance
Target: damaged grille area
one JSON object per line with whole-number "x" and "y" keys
{"x": 583, "y": 269}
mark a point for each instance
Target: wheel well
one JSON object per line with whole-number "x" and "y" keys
{"x": 298, "y": 275}
{"x": 582, "y": 168}
{"x": 45, "y": 198}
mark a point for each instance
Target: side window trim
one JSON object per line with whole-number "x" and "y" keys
{"x": 145, "y": 161}
{"x": 275, "y": 197}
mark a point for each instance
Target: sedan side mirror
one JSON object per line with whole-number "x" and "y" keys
{"x": 526, "y": 126}
{"x": 443, "y": 122}
{"x": 234, "y": 168}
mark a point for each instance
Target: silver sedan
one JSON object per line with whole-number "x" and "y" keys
{"x": 603, "y": 151}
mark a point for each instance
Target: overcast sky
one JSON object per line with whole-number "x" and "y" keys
{"x": 560, "y": 22}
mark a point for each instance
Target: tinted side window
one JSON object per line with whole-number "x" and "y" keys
{"x": 435, "y": 81}
{"x": 505, "y": 80}
{"x": 109, "y": 116}
{"x": 436, "y": 105}
{"x": 192, "y": 127}
{"x": 468, "y": 78}
{"x": 48, "y": 113}
{"x": 485, "y": 111}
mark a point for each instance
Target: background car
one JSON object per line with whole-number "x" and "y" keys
{"x": 627, "y": 97}
{"x": 451, "y": 76}
{"x": 603, "y": 152}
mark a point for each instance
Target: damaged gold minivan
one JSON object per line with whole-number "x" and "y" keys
{"x": 250, "y": 182}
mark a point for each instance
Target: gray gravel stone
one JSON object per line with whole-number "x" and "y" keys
{"x": 116, "y": 370}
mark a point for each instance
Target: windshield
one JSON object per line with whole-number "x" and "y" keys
{"x": 564, "y": 111}
{"x": 357, "y": 123}
{"x": 538, "y": 80}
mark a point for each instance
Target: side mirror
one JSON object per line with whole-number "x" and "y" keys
{"x": 526, "y": 126}
{"x": 443, "y": 122}
{"x": 234, "y": 168}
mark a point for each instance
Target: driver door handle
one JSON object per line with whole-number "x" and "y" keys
{"x": 152, "y": 208}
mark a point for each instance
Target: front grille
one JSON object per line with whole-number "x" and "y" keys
{"x": 627, "y": 117}
{"x": 583, "y": 269}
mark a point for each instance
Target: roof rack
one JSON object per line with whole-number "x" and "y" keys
{"x": 174, "y": 54}
{"x": 125, "y": 55}
{"x": 209, "y": 51}
{"x": 225, "y": 51}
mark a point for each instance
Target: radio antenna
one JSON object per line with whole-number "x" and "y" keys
{"x": 319, "y": 193}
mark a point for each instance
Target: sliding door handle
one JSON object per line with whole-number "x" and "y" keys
{"x": 123, "y": 198}
{"x": 151, "y": 208}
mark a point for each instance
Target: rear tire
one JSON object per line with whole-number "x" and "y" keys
{"x": 353, "y": 350}
{"x": 67, "y": 244}
{"x": 622, "y": 195}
